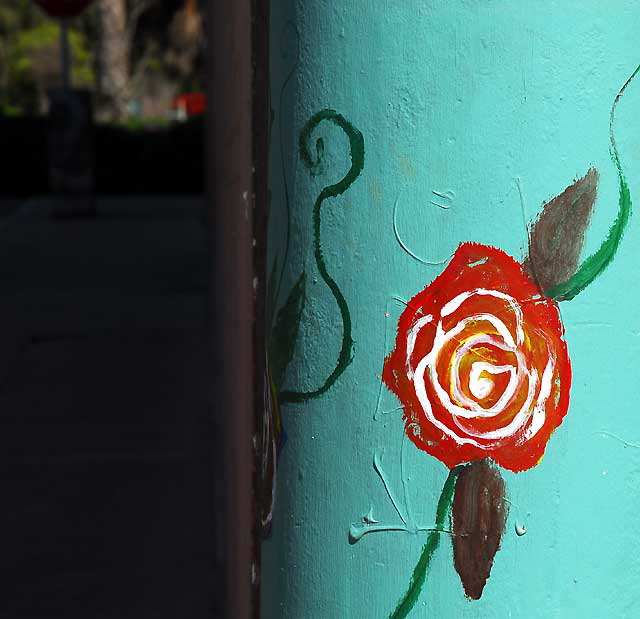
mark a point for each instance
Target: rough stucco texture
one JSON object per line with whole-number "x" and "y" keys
{"x": 482, "y": 102}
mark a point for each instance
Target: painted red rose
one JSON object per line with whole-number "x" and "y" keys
{"x": 480, "y": 363}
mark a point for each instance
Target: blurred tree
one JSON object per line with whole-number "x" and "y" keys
{"x": 136, "y": 55}
{"x": 34, "y": 62}
{"x": 185, "y": 38}
{"x": 30, "y": 58}
{"x": 113, "y": 59}
{"x": 9, "y": 20}
{"x": 147, "y": 51}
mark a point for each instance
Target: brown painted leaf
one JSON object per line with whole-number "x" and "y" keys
{"x": 479, "y": 517}
{"x": 557, "y": 235}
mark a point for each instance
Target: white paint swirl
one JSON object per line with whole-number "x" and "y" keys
{"x": 462, "y": 409}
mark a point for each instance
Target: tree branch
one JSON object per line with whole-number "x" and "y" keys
{"x": 137, "y": 9}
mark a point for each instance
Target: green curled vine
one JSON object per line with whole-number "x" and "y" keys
{"x": 283, "y": 327}
{"x": 314, "y": 164}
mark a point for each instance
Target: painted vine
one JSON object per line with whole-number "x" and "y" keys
{"x": 284, "y": 326}
{"x": 482, "y": 371}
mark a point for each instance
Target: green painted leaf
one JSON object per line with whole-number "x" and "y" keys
{"x": 557, "y": 236}
{"x": 285, "y": 330}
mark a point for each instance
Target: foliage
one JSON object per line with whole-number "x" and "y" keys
{"x": 30, "y": 56}
{"x": 32, "y": 45}
{"x": 163, "y": 42}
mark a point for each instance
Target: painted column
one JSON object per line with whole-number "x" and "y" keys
{"x": 453, "y": 331}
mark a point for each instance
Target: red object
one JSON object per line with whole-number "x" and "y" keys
{"x": 191, "y": 103}
{"x": 480, "y": 364}
{"x": 63, "y": 8}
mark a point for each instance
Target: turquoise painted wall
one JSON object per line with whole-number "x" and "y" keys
{"x": 499, "y": 106}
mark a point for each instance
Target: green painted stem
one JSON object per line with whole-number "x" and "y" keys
{"x": 356, "y": 144}
{"x": 443, "y": 510}
{"x": 598, "y": 262}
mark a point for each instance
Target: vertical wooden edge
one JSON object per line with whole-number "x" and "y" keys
{"x": 261, "y": 137}
{"x": 231, "y": 191}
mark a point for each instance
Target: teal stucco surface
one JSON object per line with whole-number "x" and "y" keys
{"x": 498, "y": 106}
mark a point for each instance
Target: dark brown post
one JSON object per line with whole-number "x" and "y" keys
{"x": 230, "y": 178}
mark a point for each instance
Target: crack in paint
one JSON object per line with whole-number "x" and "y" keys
{"x": 404, "y": 245}
{"x": 358, "y": 531}
{"x": 448, "y": 196}
{"x": 617, "y": 438}
{"x": 595, "y": 264}
{"x": 377, "y": 465}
